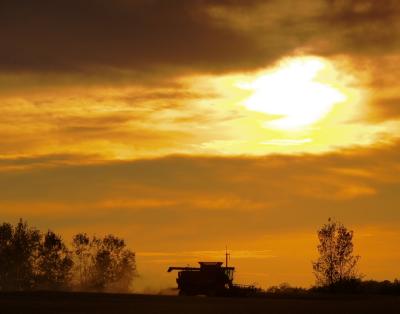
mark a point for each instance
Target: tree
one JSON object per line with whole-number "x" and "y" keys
{"x": 18, "y": 252}
{"x": 114, "y": 266}
{"x": 6, "y": 235}
{"x": 30, "y": 260}
{"x": 54, "y": 264}
{"x": 126, "y": 271}
{"x": 104, "y": 264}
{"x": 81, "y": 245}
{"x": 336, "y": 262}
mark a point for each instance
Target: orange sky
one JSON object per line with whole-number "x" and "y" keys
{"x": 185, "y": 126}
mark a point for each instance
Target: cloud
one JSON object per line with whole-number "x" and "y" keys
{"x": 110, "y": 122}
{"x": 303, "y": 186}
{"x": 73, "y": 45}
{"x": 139, "y": 36}
{"x": 381, "y": 80}
{"x": 383, "y": 109}
{"x": 134, "y": 35}
{"x": 362, "y": 27}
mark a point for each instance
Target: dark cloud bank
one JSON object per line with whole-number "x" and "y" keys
{"x": 142, "y": 35}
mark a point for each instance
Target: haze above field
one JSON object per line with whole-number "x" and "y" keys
{"x": 185, "y": 126}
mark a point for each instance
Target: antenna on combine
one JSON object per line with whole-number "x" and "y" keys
{"x": 226, "y": 256}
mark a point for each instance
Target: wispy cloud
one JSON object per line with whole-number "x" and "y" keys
{"x": 287, "y": 142}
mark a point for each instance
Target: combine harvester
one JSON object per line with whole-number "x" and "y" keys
{"x": 211, "y": 279}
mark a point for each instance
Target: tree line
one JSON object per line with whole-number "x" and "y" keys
{"x": 33, "y": 260}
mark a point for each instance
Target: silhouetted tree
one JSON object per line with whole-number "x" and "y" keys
{"x": 336, "y": 262}
{"x": 81, "y": 245}
{"x": 126, "y": 271}
{"x": 54, "y": 265}
{"x": 105, "y": 264}
{"x": 18, "y": 252}
{"x": 101, "y": 268}
{"x": 30, "y": 260}
{"x": 6, "y": 236}
{"x": 114, "y": 265}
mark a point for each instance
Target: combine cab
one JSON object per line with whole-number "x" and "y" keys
{"x": 211, "y": 279}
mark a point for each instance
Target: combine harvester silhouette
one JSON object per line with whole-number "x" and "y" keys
{"x": 211, "y": 279}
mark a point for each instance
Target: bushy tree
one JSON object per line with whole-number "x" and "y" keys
{"x": 54, "y": 265}
{"x": 81, "y": 246}
{"x": 18, "y": 252}
{"x": 114, "y": 265}
{"x": 105, "y": 264}
{"x": 336, "y": 262}
{"x": 126, "y": 271}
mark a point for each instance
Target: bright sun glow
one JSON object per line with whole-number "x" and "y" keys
{"x": 294, "y": 92}
{"x": 300, "y": 104}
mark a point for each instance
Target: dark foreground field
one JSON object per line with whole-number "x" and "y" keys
{"x": 43, "y": 302}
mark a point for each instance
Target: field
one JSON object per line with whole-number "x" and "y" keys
{"x": 44, "y": 302}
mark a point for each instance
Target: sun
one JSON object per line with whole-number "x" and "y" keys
{"x": 299, "y": 104}
{"x": 297, "y": 93}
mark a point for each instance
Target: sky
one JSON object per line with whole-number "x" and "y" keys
{"x": 188, "y": 126}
